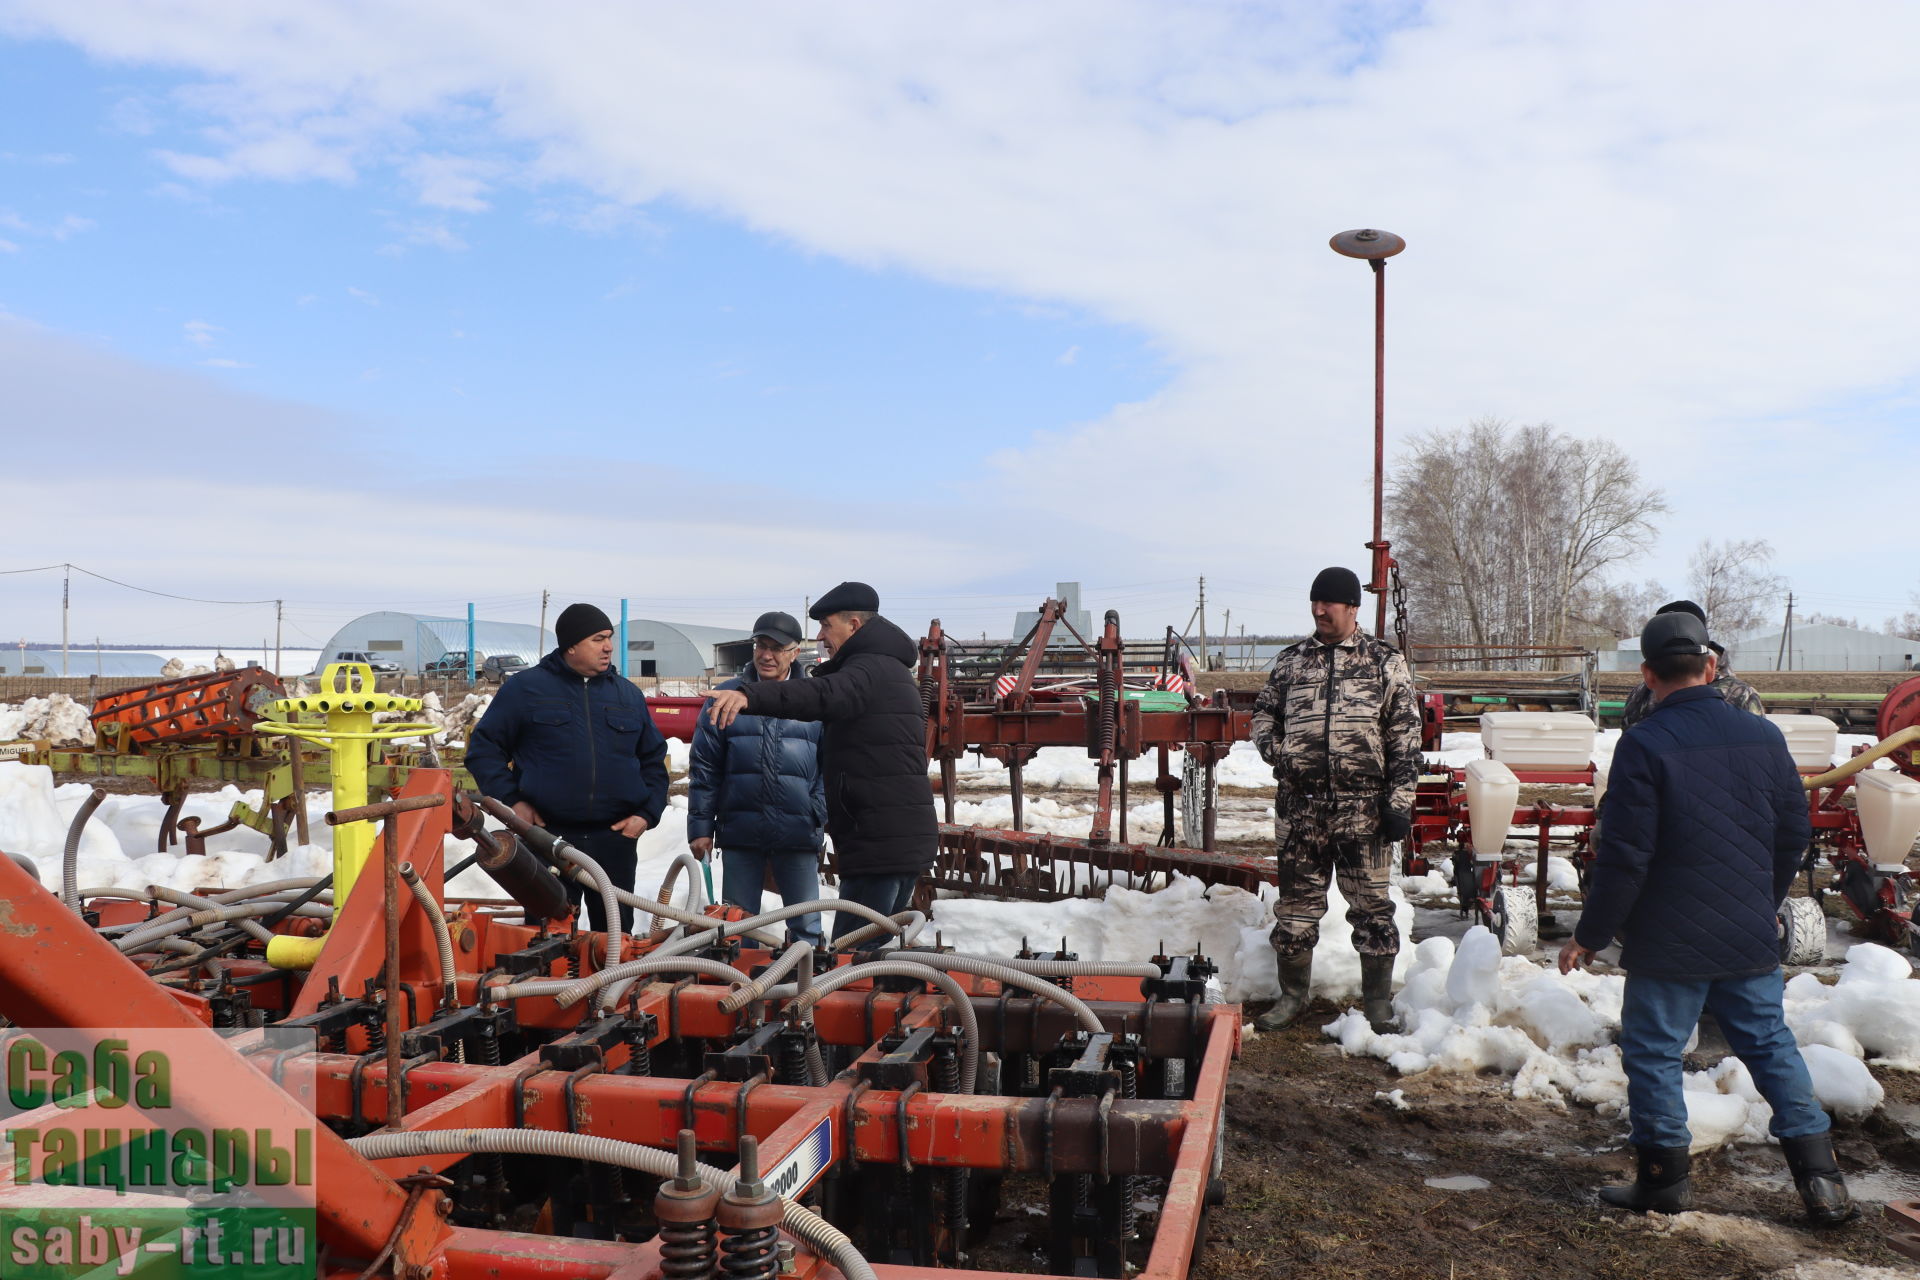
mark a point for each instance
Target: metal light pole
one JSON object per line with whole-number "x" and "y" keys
{"x": 1375, "y": 247}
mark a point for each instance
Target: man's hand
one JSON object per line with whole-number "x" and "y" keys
{"x": 725, "y": 706}
{"x": 528, "y": 814}
{"x": 1574, "y": 956}
{"x": 632, "y": 828}
{"x": 702, "y": 847}
{"x": 1395, "y": 826}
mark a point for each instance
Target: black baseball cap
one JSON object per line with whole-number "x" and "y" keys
{"x": 1672, "y": 634}
{"x": 777, "y": 626}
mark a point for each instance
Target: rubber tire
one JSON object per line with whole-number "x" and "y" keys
{"x": 1191, "y": 809}
{"x": 1516, "y": 920}
{"x": 1803, "y": 934}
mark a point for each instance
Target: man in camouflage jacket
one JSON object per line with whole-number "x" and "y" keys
{"x": 1339, "y": 723}
{"x": 1736, "y": 692}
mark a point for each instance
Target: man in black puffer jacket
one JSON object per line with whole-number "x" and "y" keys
{"x": 755, "y": 789}
{"x": 873, "y": 751}
{"x": 1704, "y": 826}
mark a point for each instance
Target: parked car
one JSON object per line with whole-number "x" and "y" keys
{"x": 451, "y": 663}
{"x": 502, "y": 665}
{"x": 381, "y": 666}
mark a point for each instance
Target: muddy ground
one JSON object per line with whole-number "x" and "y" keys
{"x": 1325, "y": 1180}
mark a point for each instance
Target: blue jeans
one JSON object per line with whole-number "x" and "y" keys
{"x": 796, "y": 873}
{"x": 885, "y": 894}
{"x": 1660, "y": 1014}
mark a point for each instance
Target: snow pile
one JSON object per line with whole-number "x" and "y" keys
{"x": 1469, "y": 1009}
{"x": 1873, "y": 1011}
{"x": 1227, "y": 924}
{"x": 178, "y": 668}
{"x": 1063, "y": 817}
{"x": 57, "y": 719}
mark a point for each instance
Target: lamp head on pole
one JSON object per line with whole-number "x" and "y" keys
{"x": 1368, "y": 243}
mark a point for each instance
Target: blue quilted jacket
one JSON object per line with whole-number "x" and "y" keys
{"x": 1703, "y": 827}
{"x": 756, "y": 784}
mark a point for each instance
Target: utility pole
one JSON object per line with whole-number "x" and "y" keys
{"x": 543, "y": 619}
{"x": 1786, "y": 634}
{"x": 279, "y": 612}
{"x": 1226, "y": 639}
{"x": 1203, "y": 622}
{"x": 66, "y": 599}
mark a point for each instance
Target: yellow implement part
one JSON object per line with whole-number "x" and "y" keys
{"x": 346, "y": 703}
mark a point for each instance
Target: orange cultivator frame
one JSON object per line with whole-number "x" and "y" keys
{"x": 888, "y": 1148}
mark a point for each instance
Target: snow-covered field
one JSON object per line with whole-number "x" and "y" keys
{"x": 1465, "y": 1007}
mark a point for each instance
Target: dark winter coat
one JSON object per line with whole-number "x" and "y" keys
{"x": 873, "y": 752}
{"x": 582, "y": 750}
{"x": 1703, "y": 827}
{"x": 756, "y": 785}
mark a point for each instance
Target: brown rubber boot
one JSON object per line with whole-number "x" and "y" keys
{"x": 1376, "y": 994}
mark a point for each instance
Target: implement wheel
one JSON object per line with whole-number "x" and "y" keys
{"x": 1516, "y": 920}
{"x": 1803, "y": 932}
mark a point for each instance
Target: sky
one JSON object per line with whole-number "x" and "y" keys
{"x": 418, "y": 303}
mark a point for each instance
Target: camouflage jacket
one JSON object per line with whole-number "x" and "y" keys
{"x": 1341, "y": 726}
{"x": 1736, "y": 691}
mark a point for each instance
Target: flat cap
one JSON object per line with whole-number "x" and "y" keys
{"x": 848, "y": 597}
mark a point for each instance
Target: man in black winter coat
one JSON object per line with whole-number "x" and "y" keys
{"x": 1704, "y": 825}
{"x": 569, "y": 743}
{"x": 873, "y": 751}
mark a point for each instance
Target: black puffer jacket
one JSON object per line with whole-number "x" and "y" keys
{"x": 873, "y": 753}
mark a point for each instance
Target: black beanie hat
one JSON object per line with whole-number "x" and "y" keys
{"x": 1682, "y": 606}
{"x": 577, "y": 622}
{"x": 1337, "y": 586}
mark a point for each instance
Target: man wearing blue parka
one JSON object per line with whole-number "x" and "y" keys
{"x": 569, "y": 743}
{"x": 754, "y": 788}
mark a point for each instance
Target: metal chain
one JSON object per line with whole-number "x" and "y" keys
{"x": 1400, "y": 613}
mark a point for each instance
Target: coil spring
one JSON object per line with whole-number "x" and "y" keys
{"x": 749, "y": 1255}
{"x": 928, "y": 689}
{"x": 945, "y": 1073}
{"x": 793, "y": 1061}
{"x": 1109, "y": 708}
{"x": 686, "y": 1249}
{"x": 639, "y": 1055}
{"x": 1129, "y": 1088}
{"x": 573, "y": 963}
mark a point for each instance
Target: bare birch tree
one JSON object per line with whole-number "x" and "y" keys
{"x": 1733, "y": 583}
{"x": 1505, "y": 534}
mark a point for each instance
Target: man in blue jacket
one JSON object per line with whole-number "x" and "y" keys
{"x": 754, "y": 787}
{"x": 1705, "y": 824}
{"x": 569, "y": 743}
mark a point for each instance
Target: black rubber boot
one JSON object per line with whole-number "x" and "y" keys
{"x": 1821, "y": 1186}
{"x": 1376, "y": 994}
{"x": 1296, "y": 976}
{"x": 1662, "y": 1184}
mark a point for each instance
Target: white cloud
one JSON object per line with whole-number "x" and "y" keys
{"x": 450, "y": 182}
{"x": 68, "y": 226}
{"x": 221, "y": 362}
{"x": 8, "y": 246}
{"x": 361, "y": 295}
{"x": 431, "y": 235}
{"x": 200, "y": 332}
{"x": 1635, "y": 220}
{"x": 1070, "y": 356}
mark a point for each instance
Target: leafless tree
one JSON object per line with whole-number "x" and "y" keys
{"x": 1733, "y": 582}
{"x": 1507, "y": 535}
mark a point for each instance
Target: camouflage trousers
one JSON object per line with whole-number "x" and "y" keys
{"x": 1308, "y": 856}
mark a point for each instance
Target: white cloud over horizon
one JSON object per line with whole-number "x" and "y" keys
{"x": 1676, "y": 227}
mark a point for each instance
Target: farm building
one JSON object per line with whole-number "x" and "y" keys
{"x": 413, "y": 640}
{"x": 683, "y": 651}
